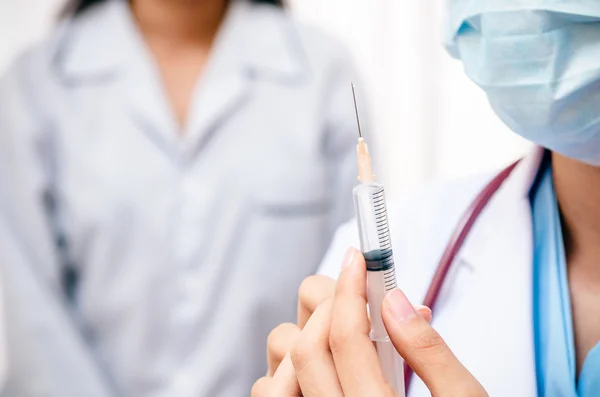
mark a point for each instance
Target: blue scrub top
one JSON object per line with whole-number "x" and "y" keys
{"x": 552, "y": 318}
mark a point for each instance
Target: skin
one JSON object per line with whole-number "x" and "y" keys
{"x": 577, "y": 188}
{"x": 329, "y": 352}
{"x": 180, "y": 35}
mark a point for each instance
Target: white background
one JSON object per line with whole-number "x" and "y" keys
{"x": 23, "y": 22}
{"x": 431, "y": 120}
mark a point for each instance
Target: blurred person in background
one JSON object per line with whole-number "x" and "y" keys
{"x": 169, "y": 172}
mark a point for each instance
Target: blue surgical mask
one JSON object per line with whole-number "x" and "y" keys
{"x": 539, "y": 63}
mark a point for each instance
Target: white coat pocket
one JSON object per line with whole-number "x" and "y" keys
{"x": 286, "y": 237}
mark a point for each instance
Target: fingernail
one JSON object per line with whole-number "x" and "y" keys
{"x": 348, "y": 258}
{"x": 399, "y": 306}
{"x": 423, "y": 311}
{"x": 419, "y": 308}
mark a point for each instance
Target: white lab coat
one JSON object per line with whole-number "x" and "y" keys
{"x": 188, "y": 247}
{"x": 485, "y": 307}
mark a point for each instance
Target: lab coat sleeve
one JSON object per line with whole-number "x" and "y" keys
{"x": 46, "y": 354}
{"x": 26, "y": 243}
{"x": 25, "y": 171}
{"x": 341, "y": 133}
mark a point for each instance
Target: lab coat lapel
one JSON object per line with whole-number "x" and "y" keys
{"x": 106, "y": 50}
{"x": 223, "y": 89}
{"x": 148, "y": 105}
{"x": 498, "y": 342}
{"x": 143, "y": 86}
{"x": 485, "y": 311}
{"x": 251, "y": 45}
{"x": 226, "y": 82}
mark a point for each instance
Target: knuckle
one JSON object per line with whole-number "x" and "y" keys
{"x": 327, "y": 303}
{"x": 311, "y": 344}
{"x": 429, "y": 342}
{"x": 260, "y": 387}
{"x": 279, "y": 339}
{"x": 339, "y": 339}
{"x": 305, "y": 288}
{"x": 309, "y": 286}
{"x": 301, "y": 354}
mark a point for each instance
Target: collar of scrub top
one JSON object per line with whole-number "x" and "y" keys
{"x": 253, "y": 43}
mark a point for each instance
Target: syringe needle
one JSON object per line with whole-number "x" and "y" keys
{"x": 365, "y": 171}
{"x": 356, "y": 110}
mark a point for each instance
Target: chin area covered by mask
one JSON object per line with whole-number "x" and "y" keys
{"x": 538, "y": 61}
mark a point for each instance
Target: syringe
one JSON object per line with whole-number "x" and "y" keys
{"x": 376, "y": 246}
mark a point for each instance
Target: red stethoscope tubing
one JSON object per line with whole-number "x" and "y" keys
{"x": 455, "y": 244}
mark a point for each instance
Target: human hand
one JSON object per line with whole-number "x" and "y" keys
{"x": 334, "y": 356}
{"x": 312, "y": 292}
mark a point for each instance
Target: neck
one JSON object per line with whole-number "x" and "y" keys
{"x": 173, "y": 22}
{"x": 577, "y": 188}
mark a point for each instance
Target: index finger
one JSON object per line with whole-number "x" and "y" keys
{"x": 353, "y": 352}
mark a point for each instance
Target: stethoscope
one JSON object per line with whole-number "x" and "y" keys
{"x": 455, "y": 244}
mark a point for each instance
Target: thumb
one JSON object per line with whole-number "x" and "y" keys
{"x": 425, "y": 350}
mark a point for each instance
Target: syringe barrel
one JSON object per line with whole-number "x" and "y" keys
{"x": 376, "y": 246}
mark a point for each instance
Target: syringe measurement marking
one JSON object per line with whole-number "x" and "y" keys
{"x": 391, "y": 284}
{"x": 381, "y": 222}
